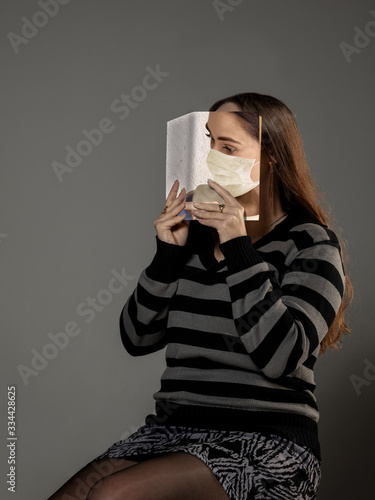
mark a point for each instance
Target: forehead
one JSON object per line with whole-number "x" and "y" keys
{"x": 225, "y": 123}
{"x": 223, "y": 119}
{"x": 229, "y": 106}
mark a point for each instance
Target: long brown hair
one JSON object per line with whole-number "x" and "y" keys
{"x": 282, "y": 143}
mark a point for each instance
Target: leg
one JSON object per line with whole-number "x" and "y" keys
{"x": 176, "y": 476}
{"x": 78, "y": 486}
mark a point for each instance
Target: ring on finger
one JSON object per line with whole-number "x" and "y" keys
{"x": 221, "y": 207}
{"x": 164, "y": 211}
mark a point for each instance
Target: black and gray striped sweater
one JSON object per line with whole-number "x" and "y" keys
{"x": 242, "y": 334}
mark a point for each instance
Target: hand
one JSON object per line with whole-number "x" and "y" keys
{"x": 171, "y": 227}
{"x": 229, "y": 222}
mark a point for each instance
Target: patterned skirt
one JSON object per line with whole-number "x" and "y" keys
{"x": 247, "y": 465}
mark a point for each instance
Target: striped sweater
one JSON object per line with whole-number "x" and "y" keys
{"x": 242, "y": 334}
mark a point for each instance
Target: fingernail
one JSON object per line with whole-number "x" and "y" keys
{"x": 196, "y": 204}
{"x": 210, "y": 180}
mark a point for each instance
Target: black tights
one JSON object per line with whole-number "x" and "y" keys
{"x": 176, "y": 476}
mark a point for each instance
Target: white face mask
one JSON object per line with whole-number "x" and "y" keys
{"x": 231, "y": 172}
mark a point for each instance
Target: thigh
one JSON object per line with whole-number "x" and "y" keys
{"x": 78, "y": 486}
{"x": 176, "y": 476}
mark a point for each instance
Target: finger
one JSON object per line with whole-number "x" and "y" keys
{"x": 169, "y": 223}
{"x": 209, "y": 206}
{"x": 208, "y": 221}
{"x": 173, "y": 210}
{"x": 224, "y": 193}
{"x": 177, "y": 201}
{"x": 180, "y": 198}
{"x": 205, "y": 214}
{"x": 172, "y": 193}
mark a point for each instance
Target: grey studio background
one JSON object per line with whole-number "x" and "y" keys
{"x": 73, "y": 229}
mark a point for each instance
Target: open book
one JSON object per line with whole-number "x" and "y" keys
{"x": 191, "y": 161}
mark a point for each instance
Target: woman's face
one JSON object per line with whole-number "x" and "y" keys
{"x": 229, "y": 137}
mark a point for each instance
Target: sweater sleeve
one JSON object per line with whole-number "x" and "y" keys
{"x": 281, "y": 320}
{"x": 144, "y": 316}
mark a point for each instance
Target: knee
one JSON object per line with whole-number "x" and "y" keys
{"x": 101, "y": 490}
{"x": 108, "y": 488}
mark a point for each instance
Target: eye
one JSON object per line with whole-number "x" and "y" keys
{"x": 230, "y": 150}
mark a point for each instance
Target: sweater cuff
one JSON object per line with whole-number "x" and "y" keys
{"x": 240, "y": 254}
{"x": 167, "y": 261}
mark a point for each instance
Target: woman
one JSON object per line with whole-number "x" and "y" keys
{"x": 245, "y": 309}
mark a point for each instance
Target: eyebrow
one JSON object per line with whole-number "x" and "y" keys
{"x": 221, "y": 138}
